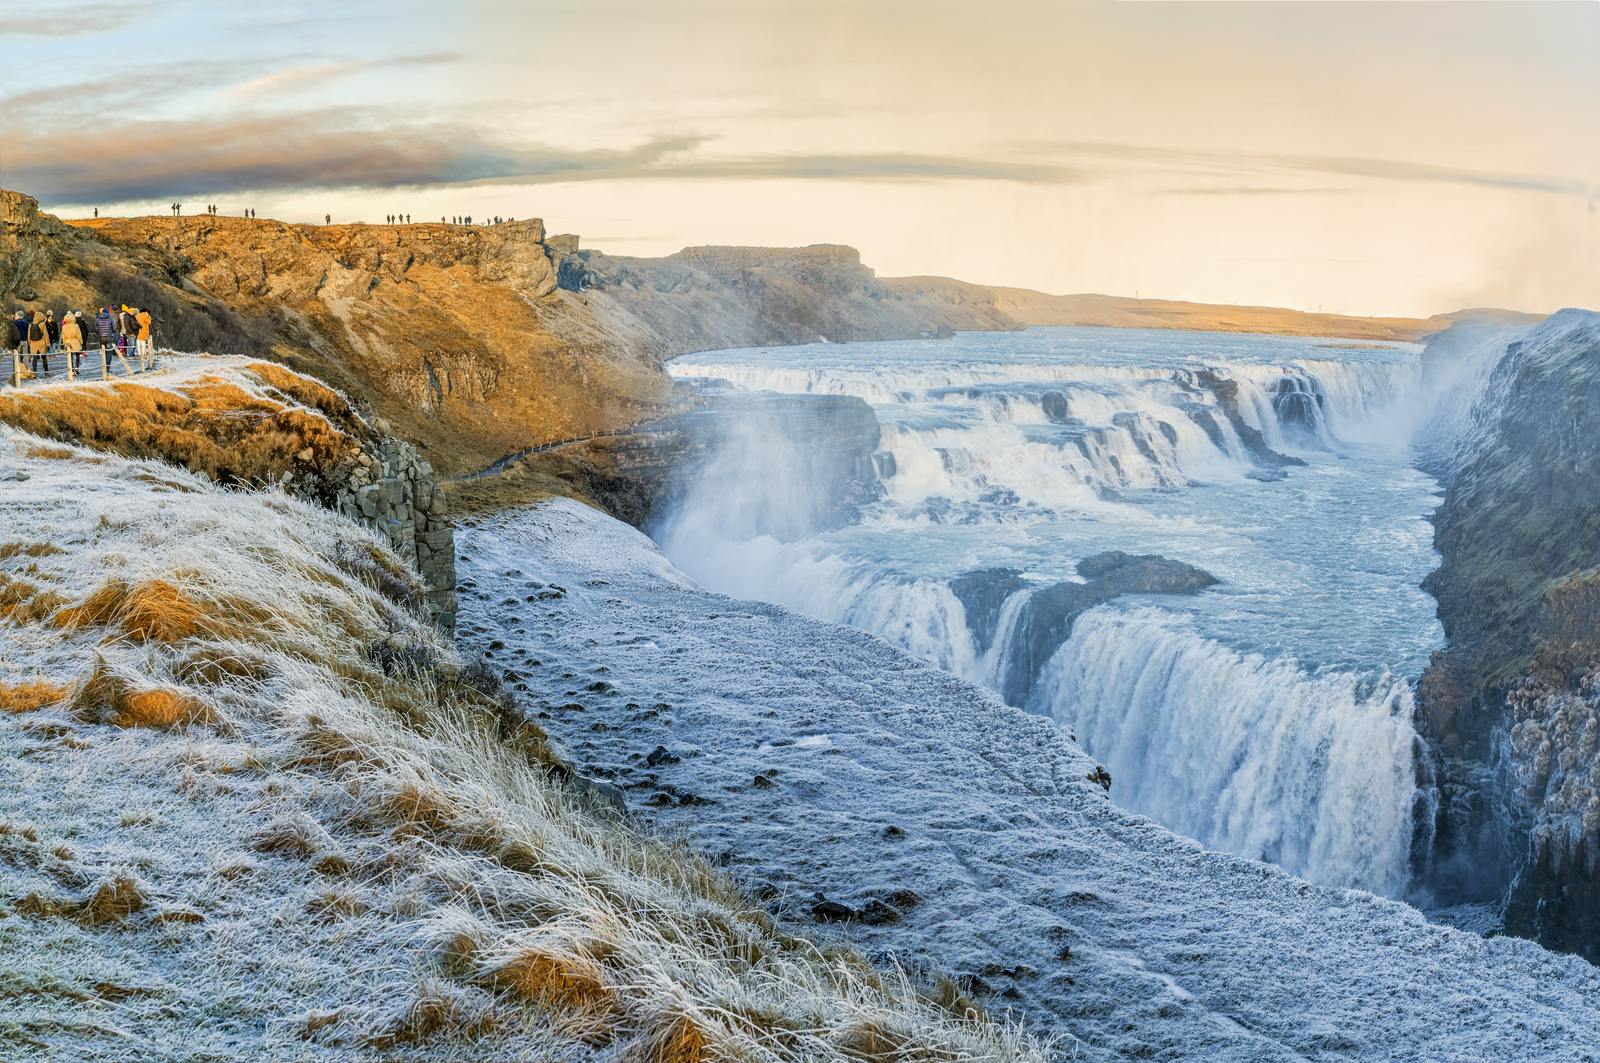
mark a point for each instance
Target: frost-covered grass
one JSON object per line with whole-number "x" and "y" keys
{"x": 251, "y": 806}
{"x": 236, "y": 420}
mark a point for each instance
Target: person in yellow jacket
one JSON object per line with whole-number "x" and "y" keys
{"x": 72, "y": 336}
{"x": 147, "y": 354}
{"x": 38, "y": 342}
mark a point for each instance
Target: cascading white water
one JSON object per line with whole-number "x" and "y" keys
{"x": 1312, "y": 772}
{"x": 1264, "y": 716}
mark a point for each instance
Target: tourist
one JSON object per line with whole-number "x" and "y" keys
{"x": 72, "y": 337}
{"x": 54, "y": 328}
{"x": 408, "y": 219}
{"x": 106, "y": 326}
{"x": 327, "y": 219}
{"x": 97, "y": 212}
{"x": 19, "y": 331}
{"x": 127, "y": 329}
{"x": 147, "y": 354}
{"x": 38, "y": 343}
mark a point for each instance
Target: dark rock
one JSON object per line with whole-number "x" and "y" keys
{"x": 878, "y": 913}
{"x": 904, "y": 899}
{"x": 983, "y": 594}
{"x": 1101, "y": 776}
{"x": 826, "y": 911}
{"x": 1046, "y": 618}
{"x": 1056, "y": 407}
{"x": 1226, "y": 392}
{"x": 660, "y": 755}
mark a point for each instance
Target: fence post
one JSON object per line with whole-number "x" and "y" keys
{"x": 105, "y": 363}
{"x": 16, "y": 369}
{"x": 70, "y": 358}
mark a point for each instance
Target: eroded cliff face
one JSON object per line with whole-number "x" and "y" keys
{"x": 438, "y": 328}
{"x": 704, "y": 298}
{"x": 471, "y": 341}
{"x": 1513, "y": 705}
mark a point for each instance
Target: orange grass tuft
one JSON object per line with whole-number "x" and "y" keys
{"x": 26, "y": 603}
{"x": 305, "y": 391}
{"x": 30, "y": 695}
{"x": 682, "y": 1041}
{"x": 106, "y": 697}
{"x": 10, "y": 550}
{"x": 537, "y": 974}
{"x": 149, "y": 611}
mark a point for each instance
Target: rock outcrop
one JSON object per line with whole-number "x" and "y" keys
{"x": 1512, "y": 707}
{"x": 394, "y": 492}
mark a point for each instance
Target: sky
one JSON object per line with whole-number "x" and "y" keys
{"x": 1359, "y": 157}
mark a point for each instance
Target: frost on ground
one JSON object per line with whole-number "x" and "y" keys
{"x": 251, "y": 807}
{"x": 845, "y": 782}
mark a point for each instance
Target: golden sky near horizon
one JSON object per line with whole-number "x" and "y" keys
{"x": 1360, "y": 157}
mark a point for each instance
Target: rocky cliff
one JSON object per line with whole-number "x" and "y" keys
{"x": 470, "y": 341}
{"x": 1513, "y": 705}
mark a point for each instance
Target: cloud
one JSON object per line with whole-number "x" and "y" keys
{"x": 73, "y": 20}
{"x": 1250, "y": 190}
{"x": 295, "y": 79}
{"x": 306, "y": 151}
{"x": 1235, "y": 164}
{"x": 361, "y": 148}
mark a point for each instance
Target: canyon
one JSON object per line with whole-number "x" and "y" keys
{"x": 477, "y": 369}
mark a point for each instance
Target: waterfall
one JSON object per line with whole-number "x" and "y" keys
{"x": 1001, "y": 465}
{"x": 1314, "y": 773}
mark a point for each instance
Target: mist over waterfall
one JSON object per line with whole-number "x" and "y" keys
{"x": 1269, "y": 713}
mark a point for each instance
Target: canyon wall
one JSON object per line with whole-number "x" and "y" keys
{"x": 1512, "y": 707}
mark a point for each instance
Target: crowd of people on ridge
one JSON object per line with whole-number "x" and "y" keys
{"x": 38, "y": 334}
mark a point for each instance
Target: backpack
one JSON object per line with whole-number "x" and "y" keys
{"x": 35, "y": 332}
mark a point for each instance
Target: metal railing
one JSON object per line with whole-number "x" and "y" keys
{"x": 105, "y": 362}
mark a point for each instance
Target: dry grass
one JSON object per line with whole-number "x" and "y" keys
{"x": 304, "y": 390}
{"x": 18, "y": 549}
{"x": 208, "y": 425}
{"x": 150, "y": 611}
{"x": 111, "y": 900}
{"x": 23, "y": 602}
{"x": 30, "y": 695}
{"x": 109, "y": 697}
{"x": 401, "y": 811}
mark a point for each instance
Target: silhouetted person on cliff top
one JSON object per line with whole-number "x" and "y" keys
{"x": 408, "y": 219}
{"x": 97, "y": 212}
{"x": 327, "y": 219}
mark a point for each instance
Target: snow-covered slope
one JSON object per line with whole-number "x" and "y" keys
{"x": 253, "y": 808}
{"x": 971, "y": 836}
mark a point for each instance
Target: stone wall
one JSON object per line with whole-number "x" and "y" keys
{"x": 394, "y": 492}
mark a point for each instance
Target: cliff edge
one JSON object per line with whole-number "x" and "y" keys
{"x": 1513, "y": 704}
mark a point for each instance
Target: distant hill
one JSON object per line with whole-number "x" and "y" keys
{"x": 1029, "y": 307}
